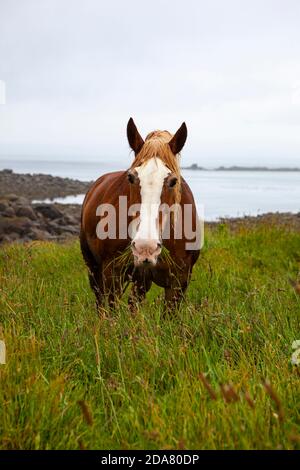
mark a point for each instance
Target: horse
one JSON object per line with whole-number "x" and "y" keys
{"x": 143, "y": 245}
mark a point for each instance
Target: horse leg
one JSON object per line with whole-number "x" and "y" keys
{"x": 138, "y": 293}
{"x": 94, "y": 271}
{"x": 112, "y": 292}
{"x": 112, "y": 284}
{"x": 175, "y": 293}
{"x": 95, "y": 279}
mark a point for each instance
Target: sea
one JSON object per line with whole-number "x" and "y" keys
{"x": 217, "y": 194}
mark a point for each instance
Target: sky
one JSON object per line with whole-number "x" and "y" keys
{"x": 75, "y": 71}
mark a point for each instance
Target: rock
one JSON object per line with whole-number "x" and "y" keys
{"x": 62, "y": 221}
{"x": 49, "y": 211}
{"x": 26, "y": 211}
{"x": 13, "y": 236}
{"x": 71, "y": 220}
{"x": 9, "y": 212}
{"x": 39, "y": 186}
{"x": 62, "y": 230}
{"x": 54, "y": 228}
{"x": 8, "y": 238}
{"x": 3, "y": 205}
{"x": 22, "y": 221}
{"x": 12, "y": 197}
{"x": 19, "y": 225}
{"x": 71, "y": 229}
{"x": 37, "y": 234}
{"x": 5, "y": 239}
{"x": 22, "y": 201}
{"x": 67, "y": 220}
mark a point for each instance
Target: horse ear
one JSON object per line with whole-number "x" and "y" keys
{"x": 178, "y": 140}
{"x": 135, "y": 140}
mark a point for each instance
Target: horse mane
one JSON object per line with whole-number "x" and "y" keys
{"x": 156, "y": 146}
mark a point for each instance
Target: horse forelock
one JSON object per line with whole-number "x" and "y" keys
{"x": 163, "y": 136}
{"x": 156, "y": 146}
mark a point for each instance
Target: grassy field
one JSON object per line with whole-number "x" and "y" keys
{"x": 216, "y": 376}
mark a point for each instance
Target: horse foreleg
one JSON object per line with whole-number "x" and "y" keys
{"x": 96, "y": 286}
{"x": 138, "y": 293}
{"x": 94, "y": 270}
{"x": 174, "y": 295}
{"x": 113, "y": 283}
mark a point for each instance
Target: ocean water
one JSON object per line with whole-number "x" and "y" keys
{"x": 217, "y": 193}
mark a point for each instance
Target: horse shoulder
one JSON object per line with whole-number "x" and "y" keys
{"x": 106, "y": 190}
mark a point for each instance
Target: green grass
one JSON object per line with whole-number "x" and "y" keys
{"x": 129, "y": 381}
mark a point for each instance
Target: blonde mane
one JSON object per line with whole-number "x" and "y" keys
{"x": 156, "y": 146}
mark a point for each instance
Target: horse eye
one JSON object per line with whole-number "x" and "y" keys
{"x": 172, "y": 181}
{"x": 131, "y": 177}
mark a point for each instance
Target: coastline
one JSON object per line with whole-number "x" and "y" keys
{"x": 39, "y": 186}
{"x": 22, "y": 220}
{"x": 195, "y": 167}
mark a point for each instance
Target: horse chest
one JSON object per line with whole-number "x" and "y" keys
{"x": 159, "y": 274}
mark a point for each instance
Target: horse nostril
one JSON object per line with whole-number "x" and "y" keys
{"x": 158, "y": 245}
{"x": 133, "y": 244}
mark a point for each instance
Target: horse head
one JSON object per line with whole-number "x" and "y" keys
{"x": 154, "y": 179}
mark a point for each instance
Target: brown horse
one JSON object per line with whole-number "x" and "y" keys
{"x": 128, "y": 234}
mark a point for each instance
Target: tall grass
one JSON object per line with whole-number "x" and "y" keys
{"x": 215, "y": 376}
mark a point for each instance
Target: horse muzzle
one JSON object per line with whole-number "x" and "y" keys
{"x": 145, "y": 252}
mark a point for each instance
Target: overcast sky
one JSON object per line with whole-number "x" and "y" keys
{"x": 75, "y": 71}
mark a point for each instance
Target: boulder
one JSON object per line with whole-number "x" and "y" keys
{"x": 12, "y": 197}
{"x": 22, "y": 201}
{"x": 70, "y": 229}
{"x": 3, "y": 205}
{"x": 9, "y": 212}
{"x": 11, "y": 237}
{"x": 19, "y": 225}
{"x": 72, "y": 220}
{"x": 37, "y": 234}
{"x": 54, "y": 228}
{"x": 26, "y": 211}
{"x": 67, "y": 220}
{"x": 49, "y": 211}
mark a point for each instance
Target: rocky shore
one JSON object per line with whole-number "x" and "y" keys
{"x": 22, "y": 220}
{"x": 39, "y": 186}
{"x": 286, "y": 219}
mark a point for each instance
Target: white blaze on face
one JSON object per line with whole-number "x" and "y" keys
{"x": 151, "y": 175}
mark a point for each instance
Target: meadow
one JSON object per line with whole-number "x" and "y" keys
{"x": 217, "y": 374}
